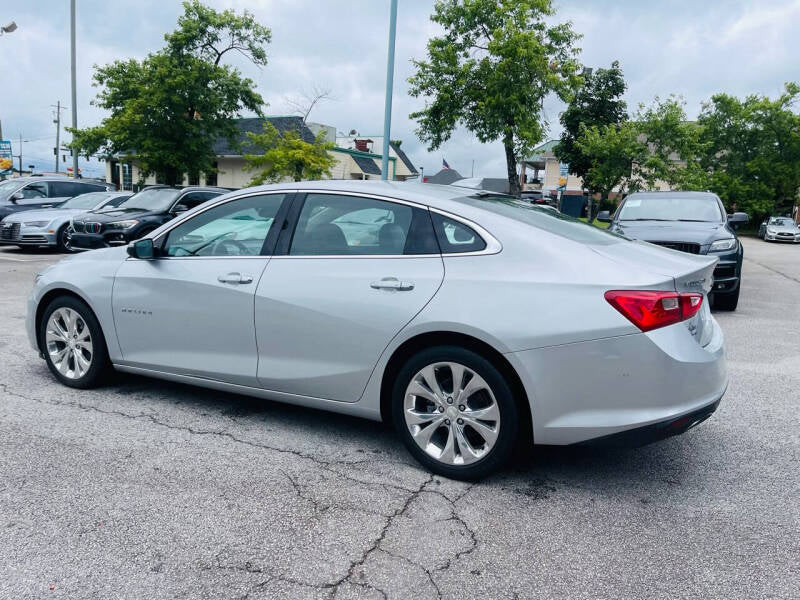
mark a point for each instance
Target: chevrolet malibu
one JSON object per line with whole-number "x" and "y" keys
{"x": 472, "y": 322}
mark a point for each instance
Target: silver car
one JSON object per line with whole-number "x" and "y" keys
{"x": 471, "y": 321}
{"x": 779, "y": 229}
{"x": 50, "y": 226}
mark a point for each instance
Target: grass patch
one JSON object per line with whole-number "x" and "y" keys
{"x": 598, "y": 224}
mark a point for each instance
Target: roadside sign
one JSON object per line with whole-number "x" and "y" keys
{"x": 563, "y": 170}
{"x": 6, "y": 158}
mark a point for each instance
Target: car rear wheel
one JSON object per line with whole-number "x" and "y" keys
{"x": 455, "y": 412}
{"x": 73, "y": 343}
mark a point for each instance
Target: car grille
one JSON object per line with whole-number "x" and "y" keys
{"x": 787, "y": 235}
{"x": 77, "y": 226}
{"x": 87, "y": 227}
{"x": 10, "y": 231}
{"x": 724, "y": 271}
{"x": 681, "y": 246}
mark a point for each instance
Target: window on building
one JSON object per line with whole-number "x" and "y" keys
{"x": 194, "y": 179}
{"x": 127, "y": 176}
{"x": 211, "y": 178}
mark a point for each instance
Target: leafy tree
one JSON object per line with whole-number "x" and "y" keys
{"x": 752, "y": 149}
{"x": 169, "y": 108}
{"x": 673, "y": 147}
{"x": 490, "y": 72}
{"x": 288, "y": 155}
{"x": 612, "y": 151}
{"x": 597, "y": 103}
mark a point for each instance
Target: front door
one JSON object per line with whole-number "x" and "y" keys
{"x": 190, "y": 309}
{"x": 355, "y": 271}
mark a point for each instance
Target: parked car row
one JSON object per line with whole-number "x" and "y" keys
{"x": 454, "y": 314}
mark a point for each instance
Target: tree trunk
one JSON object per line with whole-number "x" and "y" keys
{"x": 511, "y": 165}
{"x": 171, "y": 176}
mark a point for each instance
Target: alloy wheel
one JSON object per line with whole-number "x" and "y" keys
{"x": 66, "y": 238}
{"x": 69, "y": 343}
{"x": 451, "y": 413}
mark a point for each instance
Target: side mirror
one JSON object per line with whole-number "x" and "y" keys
{"x": 141, "y": 249}
{"x": 180, "y": 208}
{"x": 738, "y": 218}
{"x": 604, "y": 216}
{"x": 17, "y": 196}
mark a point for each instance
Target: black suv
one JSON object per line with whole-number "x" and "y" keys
{"x": 693, "y": 222}
{"x": 28, "y": 193}
{"x": 137, "y": 216}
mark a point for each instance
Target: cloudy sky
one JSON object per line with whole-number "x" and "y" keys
{"x": 687, "y": 47}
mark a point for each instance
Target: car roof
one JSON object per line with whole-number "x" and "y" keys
{"x": 673, "y": 194}
{"x": 187, "y": 188}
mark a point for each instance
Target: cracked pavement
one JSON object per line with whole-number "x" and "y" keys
{"x": 152, "y": 489}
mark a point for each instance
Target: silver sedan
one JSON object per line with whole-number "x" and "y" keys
{"x": 471, "y": 321}
{"x": 51, "y": 226}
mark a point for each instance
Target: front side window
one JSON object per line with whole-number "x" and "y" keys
{"x": 331, "y": 225}
{"x": 155, "y": 199}
{"x": 86, "y": 201}
{"x": 34, "y": 190}
{"x": 68, "y": 189}
{"x": 236, "y": 228}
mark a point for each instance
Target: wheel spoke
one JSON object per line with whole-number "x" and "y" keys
{"x": 84, "y": 334}
{"x": 489, "y": 413}
{"x": 489, "y": 434}
{"x": 81, "y": 364}
{"x": 429, "y": 376}
{"x": 475, "y": 384}
{"x": 458, "y": 378}
{"x": 418, "y": 389}
{"x": 448, "y": 453}
{"x": 468, "y": 453}
{"x": 423, "y": 435}
{"x": 416, "y": 417}
{"x": 63, "y": 366}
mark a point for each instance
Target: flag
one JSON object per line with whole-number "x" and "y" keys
{"x": 444, "y": 164}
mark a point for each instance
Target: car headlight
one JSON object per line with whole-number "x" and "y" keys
{"x": 124, "y": 224}
{"x": 770, "y": 231}
{"x": 35, "y": 223}
{"x": 720, "y": 245}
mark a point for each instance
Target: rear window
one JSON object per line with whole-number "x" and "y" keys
{"x": 547, "y": 220}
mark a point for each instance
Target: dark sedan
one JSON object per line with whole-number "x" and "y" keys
{"x": 136, "y": 217}
{"x": 693, "y": 222}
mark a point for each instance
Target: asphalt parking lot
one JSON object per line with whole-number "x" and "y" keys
{"x": 146, "y": 489}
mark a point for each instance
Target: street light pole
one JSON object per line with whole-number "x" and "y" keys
{"x": 387, "y": 111}
{"x": 74, "y": 90}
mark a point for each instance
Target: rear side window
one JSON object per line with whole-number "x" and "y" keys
{"x": 455, "y": 237}
{"x": 68, "y": 189}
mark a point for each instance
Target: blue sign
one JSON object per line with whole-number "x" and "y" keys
{"x": 563, "y": 170}
{"x": 6, "y": 158}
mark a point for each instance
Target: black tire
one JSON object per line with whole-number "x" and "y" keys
{"x": 727, "y": 302}
{"x": 504, "y": 444}
{"x": 100, "y": 363}
{"x": 62, "y": 239}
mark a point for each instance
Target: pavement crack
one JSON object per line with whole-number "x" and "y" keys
{"x": 768, "y": 268}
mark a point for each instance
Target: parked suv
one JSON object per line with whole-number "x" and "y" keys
{"x": 693, "y": 222}
{"x": 28, "y": 193}
{"x": 137, "y": 216}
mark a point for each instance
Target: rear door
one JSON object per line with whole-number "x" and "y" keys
{"x": 349, "y": 273}
{"x": 190, "y": 310}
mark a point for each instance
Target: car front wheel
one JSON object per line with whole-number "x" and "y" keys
{"x": 455, "y": 412}
{"x": 73, "y": 343}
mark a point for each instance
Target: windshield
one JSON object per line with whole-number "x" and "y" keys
{"x": 155, "y": 199}
{"x": 6, "y": 187}
{"x": 671, "y": 208}
{"x": 781, "y": 222}
{"x": 85, "y": 200}
{"x": 548, "y": 220}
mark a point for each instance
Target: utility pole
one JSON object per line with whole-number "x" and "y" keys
{"x": 387, "y": 111}
{"x": 74, "y": 90}
{"x": 57, "y": 121}
{"x": 20, "y": 155}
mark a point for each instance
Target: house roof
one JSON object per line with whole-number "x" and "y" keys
{"x": 444, "y": 177}
{"x": 402, "y": 155}
{"x": 367, "y": 165}
{"x": 256, "y": 125}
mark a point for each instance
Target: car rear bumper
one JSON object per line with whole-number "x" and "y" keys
{"x": 591, "y": 390}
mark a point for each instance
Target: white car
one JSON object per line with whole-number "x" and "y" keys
{"x": 471, "y": 321}
{"x": 50, "y": 226}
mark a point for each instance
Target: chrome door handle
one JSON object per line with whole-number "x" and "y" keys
{"x": 392, "y": 283}
{"x": 235, "y": 278}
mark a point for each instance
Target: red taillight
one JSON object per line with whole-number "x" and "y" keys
{"x": 650, "y": 310}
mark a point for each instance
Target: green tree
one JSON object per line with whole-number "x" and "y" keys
{"x": 612, "y": 151}
{"x": 752, "y": 149}
{"x": 490, "y": 72}
{"x": 597, "y": 103}
{"x": 168, "y": 109}
{"x": 288, "y": 155}
{"x": 673, "y": 144}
